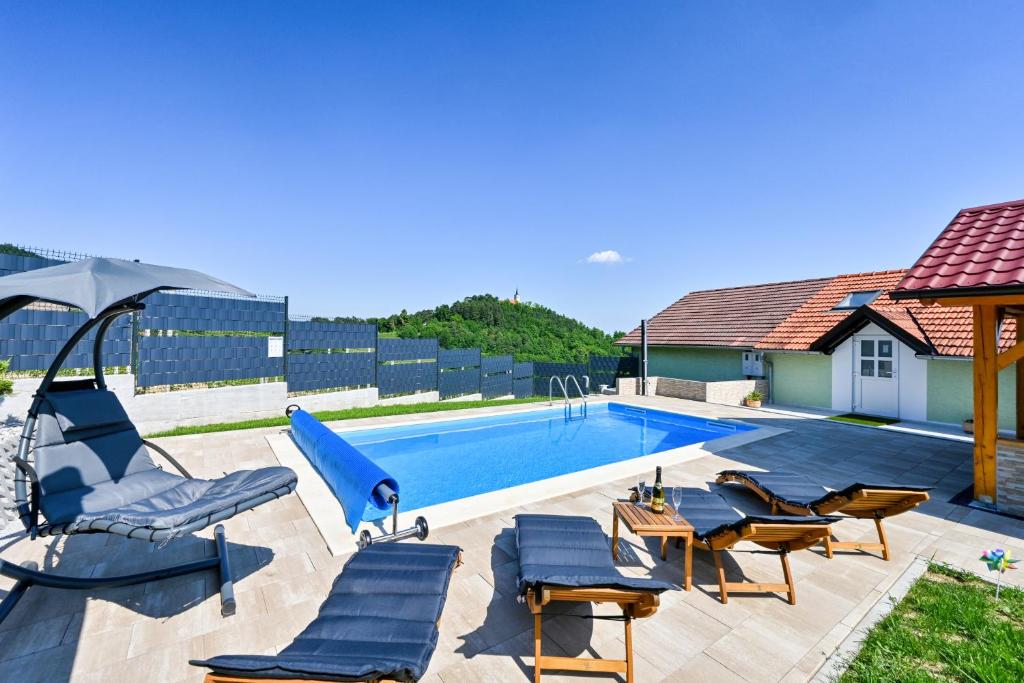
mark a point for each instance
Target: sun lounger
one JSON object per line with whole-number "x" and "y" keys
{"x": 718, "y": 527}
{"x": 799, "y": 495}
{"x": 379, "y": 623}
{"x": 565, "y": 558}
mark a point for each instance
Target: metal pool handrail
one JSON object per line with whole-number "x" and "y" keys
{"x": 551, "y": 390}
{"x": 583, "y": 408}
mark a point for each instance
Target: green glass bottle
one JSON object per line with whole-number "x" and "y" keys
{"x": 658, "y": 494}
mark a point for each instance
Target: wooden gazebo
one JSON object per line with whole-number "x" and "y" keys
{"x": 978, "y": 262}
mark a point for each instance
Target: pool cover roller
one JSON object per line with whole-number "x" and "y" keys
{"x": 354, "y": 478}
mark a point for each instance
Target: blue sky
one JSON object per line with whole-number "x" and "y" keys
{"x": 368, "y": 157}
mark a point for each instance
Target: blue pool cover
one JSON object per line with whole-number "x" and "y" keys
{"x": 351, "y": 475}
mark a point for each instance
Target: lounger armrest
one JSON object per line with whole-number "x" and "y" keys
{"x": 169, "y": 458}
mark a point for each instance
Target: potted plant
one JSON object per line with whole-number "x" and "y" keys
{"x": 753, "y": 399}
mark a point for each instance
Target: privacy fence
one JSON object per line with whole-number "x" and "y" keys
{"x": 196, "y": 339}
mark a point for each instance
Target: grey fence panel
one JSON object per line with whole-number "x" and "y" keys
{"x": 10, "y": 264}
{"x": 606, "y": 369}
{"x": 306, "y": 335}
{"x": 32, "y": 337}
{"x": 188, "y": 359}
{"x": 458, "y": 358}
{"x": 389, "y": 349}
{"x": 318, "y": 357}
{"x": 406, "y": 378}
{"x": 458, "y": 372}
{"x": 209, "y": 313}
{"x": 542, "y": 373}
{"x": 204, "y": 358}
{"x": 451, "y": 382}
{"x": 406, "y": 366}
{"x": 314, "y": 371}
{"x": 496, "y": 376}
{"x": 522, "y": 380}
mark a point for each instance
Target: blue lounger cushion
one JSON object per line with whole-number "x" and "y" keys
{"x": 711, "y": 515}
{"x": 573, "y": 552}
{"x": 800, "y": 491}
{"x": 378, "y": 622}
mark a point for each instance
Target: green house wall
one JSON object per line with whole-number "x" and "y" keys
{"x": 951, "y": 392}
{"x": 801, "y": 379}
{"x": 704, "y": 365}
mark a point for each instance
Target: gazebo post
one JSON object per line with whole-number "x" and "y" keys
{"x": 986, "y": 401}
{"x": 1019, "y": 384}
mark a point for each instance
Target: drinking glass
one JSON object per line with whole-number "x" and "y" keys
{"x": 641, "y": 487}
{"x": 677, "y": 498}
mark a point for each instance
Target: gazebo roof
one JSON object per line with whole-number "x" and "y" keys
{"x": 980, "y": 253}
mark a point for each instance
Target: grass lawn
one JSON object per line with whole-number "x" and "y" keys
{"x": 866, "y": 420}
{"x": 949, "y": 627}
{"x": 349, "y": 414}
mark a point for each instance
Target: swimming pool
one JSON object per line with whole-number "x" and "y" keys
{"x": 438, "y": 462}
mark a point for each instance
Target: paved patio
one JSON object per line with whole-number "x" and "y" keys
{"x": 147, "y": 633}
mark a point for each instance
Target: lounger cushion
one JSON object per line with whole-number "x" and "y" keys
{"x": 156, "y": 499}
{"x": 94, "y": 470}
{"x": 570, "y": 551}
{"x": 800, "y": 491}
{"x": 711, "y": 515}
{"x": 378, "y": 622}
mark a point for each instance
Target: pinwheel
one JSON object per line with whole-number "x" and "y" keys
{"x": 998, "y": 561}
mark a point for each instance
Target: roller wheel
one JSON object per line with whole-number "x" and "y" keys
{"x": 364, "y": 539}
{"x": 422, "y": 530}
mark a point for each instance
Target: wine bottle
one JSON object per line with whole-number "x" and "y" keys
{"x": 658, "y": 494}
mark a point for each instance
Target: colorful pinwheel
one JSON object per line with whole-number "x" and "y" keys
{"x": 999, "y": 561}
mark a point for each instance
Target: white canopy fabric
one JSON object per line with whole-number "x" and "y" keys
{"x": 96, "y": 284}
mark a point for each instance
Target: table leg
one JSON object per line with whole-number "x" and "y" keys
{"x": 688, "y": 562}
{"x": 664, "y": 548}
{"x": 615, "y": 535}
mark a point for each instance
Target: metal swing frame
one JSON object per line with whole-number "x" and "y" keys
{"x": 27, "y": 494}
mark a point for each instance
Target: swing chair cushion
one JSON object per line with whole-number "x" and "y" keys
{"x": 95, "y": 473}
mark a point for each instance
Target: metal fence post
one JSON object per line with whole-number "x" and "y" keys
{"x": 284, "y": 359}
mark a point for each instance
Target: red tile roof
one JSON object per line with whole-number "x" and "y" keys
{"x": 816, "y": 317}
{"x": 732, "y": 317}
{"x": 792, "y": 316}
{"x": 982, "y": 247}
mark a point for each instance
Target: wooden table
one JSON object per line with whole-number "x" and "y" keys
{"x": 642, "y": 522}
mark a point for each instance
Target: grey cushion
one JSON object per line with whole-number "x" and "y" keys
{"x": 800, "y": 491}
{"x": 711, "y": 515}
{"x": 93, "y": 466}
{"x": 378, "y": 622}
{"x": 557, "y": 550}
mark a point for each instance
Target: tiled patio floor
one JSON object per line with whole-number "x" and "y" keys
{"x": 147, "y": 633}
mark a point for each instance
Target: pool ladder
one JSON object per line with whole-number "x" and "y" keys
{"x": 555, "y": 379}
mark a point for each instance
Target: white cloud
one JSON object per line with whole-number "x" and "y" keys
{"x": 608, "y": 256}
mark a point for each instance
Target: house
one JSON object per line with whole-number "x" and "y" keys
{"x": 841, "y": 343}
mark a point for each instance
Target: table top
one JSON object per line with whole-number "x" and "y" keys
{"x": 641, "y": 519}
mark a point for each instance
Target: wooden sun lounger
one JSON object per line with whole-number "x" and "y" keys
{"x": 565, "y": 558}
{"x": 798, "y": 495}
{"x": 718, "y": 527}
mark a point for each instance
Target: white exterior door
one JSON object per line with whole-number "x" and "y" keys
{"x": 875, "y": 376}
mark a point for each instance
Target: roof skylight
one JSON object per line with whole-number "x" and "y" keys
{"x": 857, "y": 299}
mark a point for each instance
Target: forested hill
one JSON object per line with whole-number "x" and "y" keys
{"x": 525, "y": 330}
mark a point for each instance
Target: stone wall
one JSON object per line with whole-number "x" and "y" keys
{"x": 1010, "y": 477}
{"x": 731, "y": 392}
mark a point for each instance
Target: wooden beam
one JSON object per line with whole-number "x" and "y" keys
{"x": 1011, "y": 355}
{"x": 1019, "y": 367}
{"x": 986, "y": 401}
{"x": 991, "y": 300}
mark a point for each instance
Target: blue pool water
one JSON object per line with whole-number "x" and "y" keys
{"x": 443, "y": 461}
